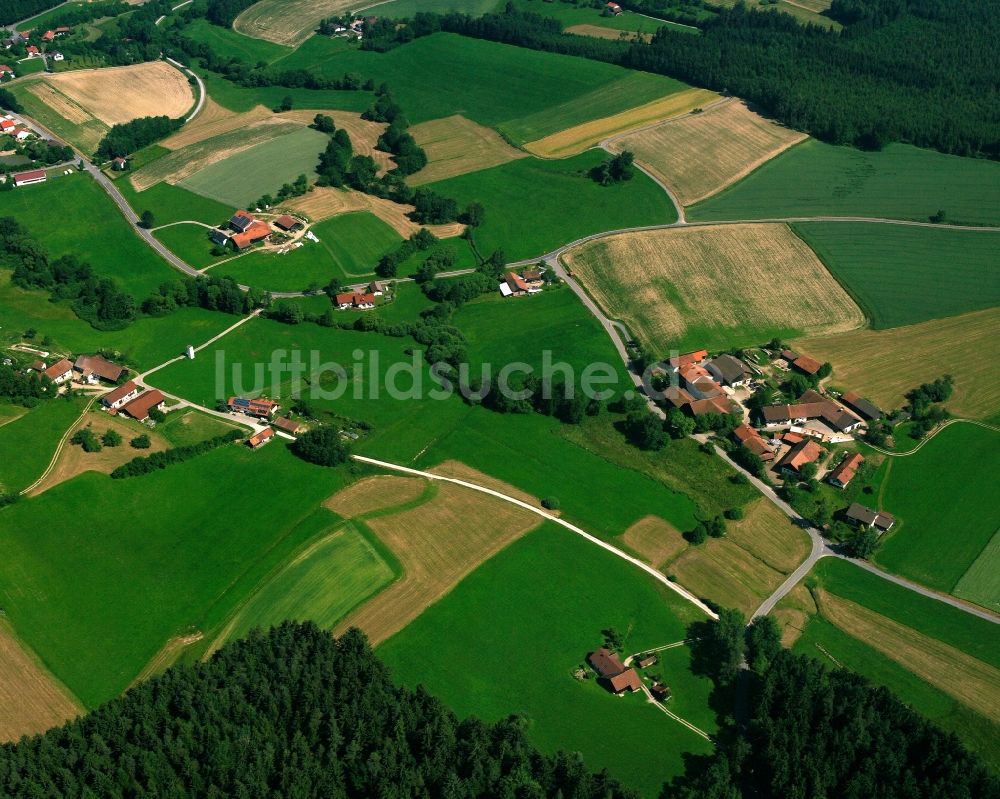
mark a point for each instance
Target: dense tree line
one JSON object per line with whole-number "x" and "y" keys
{"x": 8, "y": 102}
{"x": 224, "y": 12}
{"x": 146, "y": 464}
{"x": 211, "y": 293}
{"x": 16, "y": 10}
{"x": 291, "y": 712}
{"x": 22, "y": 388}
{"x": 127, "y": 137}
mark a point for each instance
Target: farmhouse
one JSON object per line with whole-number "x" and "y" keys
{"x": 5, "y": 70}
{"x": 806, "y": 451}
{"x": 610, "y": 668}
{"x": 256, "y": 231}
{"x": 119, "y": 163}
{"x": 33, "y": 51}
{"x": 21, "y": 134}
{"x": 27, "y": 178}
{"x": 806, "y": 365}
{"x": 861, "y": 515}
{"x": 354, "y": 300}
{"x": 241, "y": 221}
{"x": 811, "y": 405}
{"x": 677, "y": 361}
{"x": 220, "y": 237}
{"x": 377, "y": 288}
{"x": 614, "y": 9}
{"x": 261, "y": 408}
{"x": 48, "y": 36}
{"x": 7, "y": 125}
{"x": 861, "y": 406}
{"x": 258, "y": 440}
{"x": 94, "y": 368}
{"x": 125, "y": 393}
{"x": 513, "y": 285}
{"x": 147, "y": 401}
{"x": 846, "y": 470}
{"x": 699, "y": 382}
{"x": 628, "y": 680}
{"x": 59, "y": 372}
{"x": 681, "y": 399}
{"x": 729, "y": 370}
{"x": 532, "y": 278}
{"x": 288, "y": 223}
{"x": 751, "y": 439}
{"x": 288, "y": 425}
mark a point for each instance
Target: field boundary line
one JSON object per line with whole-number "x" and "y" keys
{"x": 683, "y": 592}
{"x": 59, "y": 448}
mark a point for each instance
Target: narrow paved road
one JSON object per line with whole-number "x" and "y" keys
{"x": 59, "y": 448}
{"x": 202, "y": 92}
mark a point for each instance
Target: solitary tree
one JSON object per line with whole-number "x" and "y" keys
{"x": 147, "y": 220}
{"x": 111, "y": 438}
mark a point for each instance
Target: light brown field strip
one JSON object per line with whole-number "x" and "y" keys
{"x": 214, "y": 120}
{"x": 460, "y": 471}
{"x": 456, "y": 145}
{"x": 438, "y": 543}
{"x": 700, "y": 154}
{"x": 654, "y": 540}
{"x": 31, "y": 699}
{"x": 726, "y": 276}
{"x": 916, "y": 351}
{"x": 68, "y": 109}
{"x": 375, "y": 493}
{"x": 600, "y": 32}
{"x": 767, "y": 533}
{"x": 967, "y": 679}
{"x": 582, "y": 137}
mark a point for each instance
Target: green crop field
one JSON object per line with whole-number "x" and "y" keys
{"x": 227, "y": 43}
{"x": 356, "y": 241}
{"x": 526, "y": 203}
{"x": 901, "y": 182}
{"x": 322, "y": 583}
{"x": 981, "y": 583}
{"x": 191, "y": 244}
{"x": 62, "y": 215}
{"x": 29, "y": 442}
{"x": 505, "y": 641}
{"x": 175, "y": 204}
{"x": 238, "y": 98}
{"x": 944, "y": 498}
{"x": 262, "y": 169}
{"x": 96, "y": 604}
{"x": 528, "y": 94}
{"x": 902, "y": 275}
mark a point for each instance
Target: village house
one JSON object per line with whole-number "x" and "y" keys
{"x": 59, "y": 372}
{"x": 752, "y": 440}
{"x": 729, "y": 370}
{"x": 532, "y": 278}
{"x": 677, "y": 361}
{"x": 288, "y": 223}
{"x": 93, "y": 368}
{"x": 692, "y": 406}
{"x": 217, "y": 236}
{"x": 811, "y": 405}
{"x": 808, "y": 366}
{"x": 846, "y": 469}
{"x": 48, "y": 36}
{"x": 355, "y": 300}
{"x": 260, "y": 408}
{"x": 647, "y": 661}
{"x": 860, "y": 515}
{"x": 125, "y": 393}
{"x": 23, "y": 134}
{"x": 33, "y": 51}
{"x": 513, "y": 285}
{"x": 5, "y": 70}
{"x": 614, "y": 9}
{"x": 660, "y": 692}
{"x": 290, "y": 426}
{"x": 62, "y": 30}
{"x": 861, "y": 406}
{"x": 258, "y": 440}
{"x": 806, "y": 451}
{"x": 698, "y": 382}
{"x": 139, "y": 408}
{"x": 377, "y": 288}
{"x": 30, "y": 177}
{"x": 610, "y": 669}
{"x": 7, "y": 125}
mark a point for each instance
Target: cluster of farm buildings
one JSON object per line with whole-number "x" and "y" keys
{"x": 619, "y": 678}
{"x": 519, "y": 284}
{"x": 262, "y": 408}
{"x": 243, "y": 230}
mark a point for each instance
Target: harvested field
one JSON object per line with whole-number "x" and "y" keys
{"x": 214, "y": 120}
{"x": 31, "y": 698}
{"x": 60, "y": 103}
{"x": 582, "y": 137}
{"x": 713, "y": 286}
{"x": 73, "y": 460}
{"x": 121, "y": 94}
{"x": 793, "y": 613}
{"x": 456, "y": 145}
{"x": 363, "y": 133}
{"x": 700, "y": 154}
{"x": 460, "y": 471}
{"x": 183, "y": 163}
{"x": 438, "y": 543}
{"x": 654, "y": 539}
{"x": 288, "y": 22}
{"x": 767, "y": 533}
{"x": 375, "y": 493}
{"x": 724, "y": 572}
{"x": 608, "y": 33}
{"x": 969, "y": 680}
{"x": 63, "y": 116}
{"x": 325, "y": 202}
{"x": 916, "y": 353}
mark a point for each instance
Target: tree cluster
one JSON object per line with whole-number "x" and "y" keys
{"x": 212, "y": 293}
{"x": 224, "y": 12}
{"x": 615, "y": 169}
{"x": 323, "y": 446}
{"x": 127, "y": 137}
{"x": 16, "y": 10}
{"x": 147, "y": 464}
{"x": 8, "y": 102}
{"x": 20, "y": 388}
{"x": 85, "y": 438}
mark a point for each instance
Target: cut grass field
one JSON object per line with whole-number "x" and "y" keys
{"x": 375, "y": 493}
{"x": 949, "y": 482}
{"x": 97, "y": 608}
{"x": 436, "y": 547}
{"x": 505, "y": 641}
{"x": 242, "y": 98}
{"x": 581, "y": 137}
{"x": 44, "y": 103}
{"x": 526, "y": 203}
{"x": 900, "y": 182}
{"x": 896, "y": 273}
{"x": 187, "y": 426}
{"x": 712, "y": 287}
{"x": 981, "y": 582}
{"x": 918, "y": 353}
{"x": 32, "y": 699}
{"x": 698, "y": 155}
{"x": 525, "y": 93}
{"x": 456, "y": 145}
{"x": 262, "y": 169}
{"x": 288, "y": 22}
{"x": 227, "y": 43}
{"x": 34, "y": 437}
{"x": 171, "y": 204}
{"x": 191, "y": 244}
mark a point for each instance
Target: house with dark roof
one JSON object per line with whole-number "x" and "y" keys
{"x": 862, "y": 516}
{"x": 806, "y": 451}
{"x": 288, "y": 223}
{"x": 861, "y": 406}
{"x": 149, "y": 400}
{"x": 93, "y": 369}
{"x": 118, "y": 397}
{"x": 260, "y": 408}
{"x": 220, "y": 237}
{"x": 729, "y": 370}
{"x": 241, "y": 221}
{"x": 846, "y": 469}
{"x": 811, "y": 405}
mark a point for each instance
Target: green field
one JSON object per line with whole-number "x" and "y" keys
{"x": 901, "y": 182}
{"x": 944, "y": 500}
{"x": 97, "y": 601}
{"x": 400, "y": 9}
{"x": 322, "y": 583}
{"x": 981, "y": 583}
{"x": 526, "y": 203}
{"x": 238, "y": 98}
{"x": 184, "y": 427}
{"x": 262, "y": 169}
{"x": 504, "y": 641}
{"x": 356, "y": 241}
{"x": 528, "y": 94}
{"x": 61, "y": 215}
{"x": 903, "y": 275}
{"x": 175, "y": 204}
{"x": 29, "y": 442}
{"x": 570, "y": 14}
{"x": 191, "y": 244}
{"x": 227, "y": 43}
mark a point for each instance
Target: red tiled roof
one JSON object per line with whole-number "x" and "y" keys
{"x": 48, "y": 36}
{"x": 258, "y": 230}
{"x": 807, "y": 364}
{"x": 95, "y": 364}
{"x": 744, "y": 433}
{"x": 792, "y": 438}
{"x": 515, "y": 282}
{"x": 116, "y": 394}
{"x": 605, "y": 662}
{"x": 139, "y": 407}
{"x": 5, "y": 68}
{"x": 58, "y": 369}
{"x": 847, "y": 468}
{"x": 801, "y": 454}
{"x": 628, "y": 680}
{"x": 32, "y": 174}
{"x": 690, "y": 357}
{"x": 288, "y": 425}
{"x": 286, "y": 222}
{"x": 259, "y": 438}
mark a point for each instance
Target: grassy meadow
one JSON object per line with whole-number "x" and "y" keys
{"x": 227, "y": 43}
{"x": 29, "y": 441}
{"x": 526, "y": 202}
{"x": 191, "y": 244}
{"x": 900, "y": 182}
{"x": 904, "y": 275}
{"x": 175, "y": 204}
{"x": 504, "y": 642}
{"x": 943, "y": 498}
